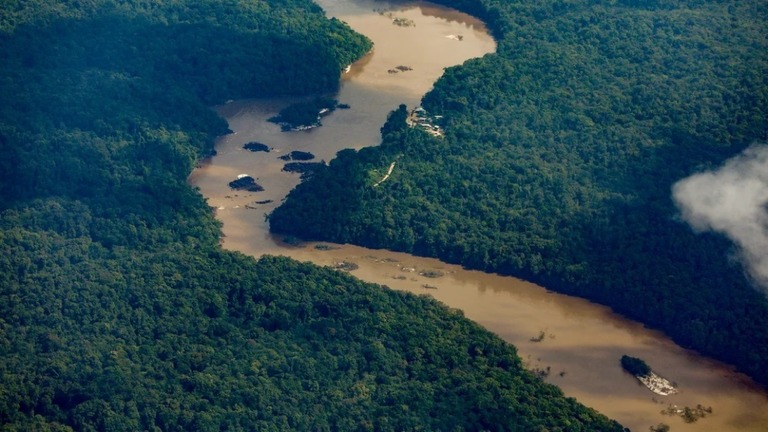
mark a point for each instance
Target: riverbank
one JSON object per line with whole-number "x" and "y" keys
{"x": 586, "y": 340}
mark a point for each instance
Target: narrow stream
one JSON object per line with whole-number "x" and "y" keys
{"x": 582, "y": 342}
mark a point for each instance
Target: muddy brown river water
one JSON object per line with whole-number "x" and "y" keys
{"x": 582, "y": 342}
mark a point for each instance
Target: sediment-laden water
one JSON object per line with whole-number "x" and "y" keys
{"x": 577, "y": 344}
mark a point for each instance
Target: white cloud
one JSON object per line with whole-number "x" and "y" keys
{"x": 733, "y": 200}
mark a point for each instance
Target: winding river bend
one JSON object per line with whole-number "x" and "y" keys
{"x": 578, "y": 342}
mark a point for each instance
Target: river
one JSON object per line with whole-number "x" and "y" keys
{"x": 582, "y": 342}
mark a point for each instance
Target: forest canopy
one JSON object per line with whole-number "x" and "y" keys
{"x": 559, "y": 155}
{"x": 118, "y": 308}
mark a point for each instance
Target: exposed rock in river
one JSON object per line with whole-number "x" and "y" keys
{"x": 645, "y": 375}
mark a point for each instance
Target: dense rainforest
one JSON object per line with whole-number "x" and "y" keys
{"x": 558, "y": 160}
{"x": 118, "y": 308}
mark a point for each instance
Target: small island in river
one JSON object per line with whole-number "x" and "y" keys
{"x": 255, "y": 146}
{"x": 297, "y": 155}
{"x": 246, "y": 183}
{"x": 645, "y": 375}
{"x": 305, "y": 115}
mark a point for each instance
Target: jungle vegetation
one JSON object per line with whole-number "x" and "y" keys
{"x": 559, "y": 155}
{"x": 118, "y": 308}
{"x": 304, "y": 114}
{"x": 636, "y": 366}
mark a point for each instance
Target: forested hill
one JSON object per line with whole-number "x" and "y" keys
{"x": 105, "y": 68}
{"x": 119, "y": 310}
{"x": 559, "y": 156}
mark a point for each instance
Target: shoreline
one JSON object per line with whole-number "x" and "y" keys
{"x": 504, "y": 306}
